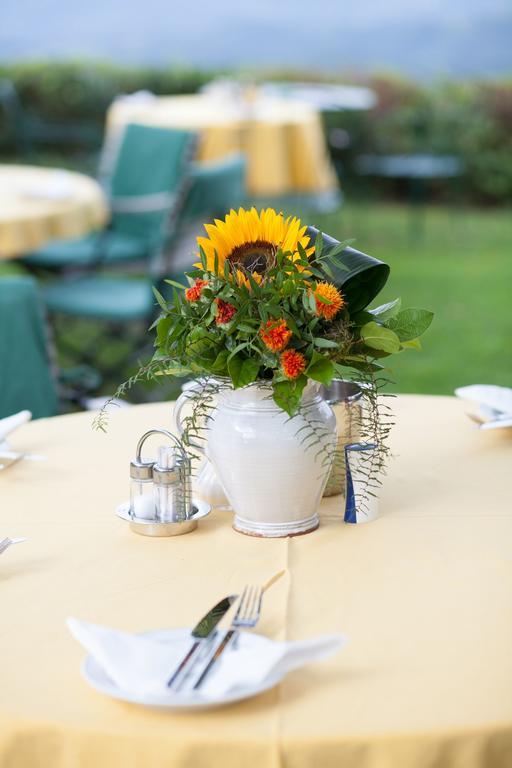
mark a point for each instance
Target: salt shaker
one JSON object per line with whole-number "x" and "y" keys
{"x": 347, "y": 396}
{"x": 142, "y": 501}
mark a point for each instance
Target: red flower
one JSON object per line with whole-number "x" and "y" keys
{"x": 333, "y": 296}
{"x": 293, "y": 363}
{"x": 275, "y": 335}
{"x": 194, "y": 292}
{"x": 225, "y": 312}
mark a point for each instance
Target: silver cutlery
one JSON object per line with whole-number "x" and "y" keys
{"x": 203, "y": 630}
{"x": 247, "y": 615}
{"x": 7, "y": 542}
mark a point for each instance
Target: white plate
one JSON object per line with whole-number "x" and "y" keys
{"x": 99, "y": 680}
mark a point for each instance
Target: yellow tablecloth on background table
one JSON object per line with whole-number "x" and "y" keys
{"x": 424, "y": 595}
{"x": 283, "y": 140}
{"x": 42, "y": 204}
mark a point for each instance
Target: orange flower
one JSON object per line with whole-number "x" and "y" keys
{"x": 293, "y": 363}
{"x": 331, "y": 293}
{"x": 194, "y": 292}
{"x": 275, "y": 335}
{"x": 225, "y": 312}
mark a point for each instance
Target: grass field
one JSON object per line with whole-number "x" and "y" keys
{"x": 455, "y": 262}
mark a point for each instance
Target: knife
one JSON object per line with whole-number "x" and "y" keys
{"x": 203, "y": 629}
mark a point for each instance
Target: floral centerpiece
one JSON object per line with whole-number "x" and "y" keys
{"x": 270, "y": 310}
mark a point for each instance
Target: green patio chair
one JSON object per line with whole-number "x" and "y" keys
{"x": 26, "y": 379}
{"x": 148, "y": 209}
{"x": 143, "y": 189}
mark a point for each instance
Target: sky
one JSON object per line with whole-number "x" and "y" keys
{"x": 422, "y": 38}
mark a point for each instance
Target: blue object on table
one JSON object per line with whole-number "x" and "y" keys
{"x": 356, "y": 473}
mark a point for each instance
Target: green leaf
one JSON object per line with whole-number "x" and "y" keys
{"x": 325, "y": 343}
{"x": 175, "y": 284}
{"x": 378, "y": 337}
{"x": 412, "y": 344}
{"x": 320, "y": 369}
{"x": 359, "y": 276}
{"x": 242, "y": 370}
{"x": 319, "y": 245}
{"x": 161, "y": 301}
{"x": 410, "y": 323}
{"x": 162, "y": 329}
{"x": 385, "y": 311}
{"x": 312, "y": 301}
{"x": 287, "y": 394}
{"x": 219, "y": 365}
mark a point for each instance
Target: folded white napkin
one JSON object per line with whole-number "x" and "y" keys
{"x": 490, "y": 395}
{"x": 142, "y": 665}
{"x": 10, "y": 423}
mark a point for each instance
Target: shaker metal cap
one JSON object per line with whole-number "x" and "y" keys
{"x": 141, "y": 470}
{"x": 165, "y": 476}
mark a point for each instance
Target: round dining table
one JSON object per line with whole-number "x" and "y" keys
{"x": 282, "y": 139}
{"x": 423, "y": 594}
{"x": 38, "y": 205}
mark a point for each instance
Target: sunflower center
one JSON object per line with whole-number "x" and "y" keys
{"x": 257, "y": 256}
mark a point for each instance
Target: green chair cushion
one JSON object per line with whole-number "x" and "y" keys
{"x": 101, "y": 297}
{"x": 111, "y": 247}
{"x": 26, "y": 379}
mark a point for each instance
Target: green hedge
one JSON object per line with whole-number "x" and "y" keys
{"x": 83, "y": 90}
{"x": 470, "y": 120}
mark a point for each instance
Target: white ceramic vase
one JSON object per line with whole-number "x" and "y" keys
{"x": 272, "y": 479}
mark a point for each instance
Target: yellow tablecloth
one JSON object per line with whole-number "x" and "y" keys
{"x": 42, "y": 204}
{"x": 283, "y": 140}
{"x": 423, "y": 593}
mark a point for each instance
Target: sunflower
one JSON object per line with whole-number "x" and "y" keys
{"x": 250, "y": 241}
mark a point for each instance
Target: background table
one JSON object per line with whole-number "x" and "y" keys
{"x": 74, "y": 205}
{"x": 283, "y": 140}
{"x": 423, "y": 593}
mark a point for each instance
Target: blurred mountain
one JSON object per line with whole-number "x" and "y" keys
{"x": 423, "y": 38}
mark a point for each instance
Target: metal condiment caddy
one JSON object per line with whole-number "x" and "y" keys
{"x": 161, "y": 501}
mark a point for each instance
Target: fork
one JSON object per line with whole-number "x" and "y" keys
{"x": 247, "y": 615}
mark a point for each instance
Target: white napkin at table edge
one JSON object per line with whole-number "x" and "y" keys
{"x": 10, "y": 423}
{"x": 490, "y": 395}
{"x": 142, "y": 665}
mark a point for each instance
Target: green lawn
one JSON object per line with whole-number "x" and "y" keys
{"x": 455, "y": 262}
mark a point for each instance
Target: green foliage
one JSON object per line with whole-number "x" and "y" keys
{"x": 379, "y": 337}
